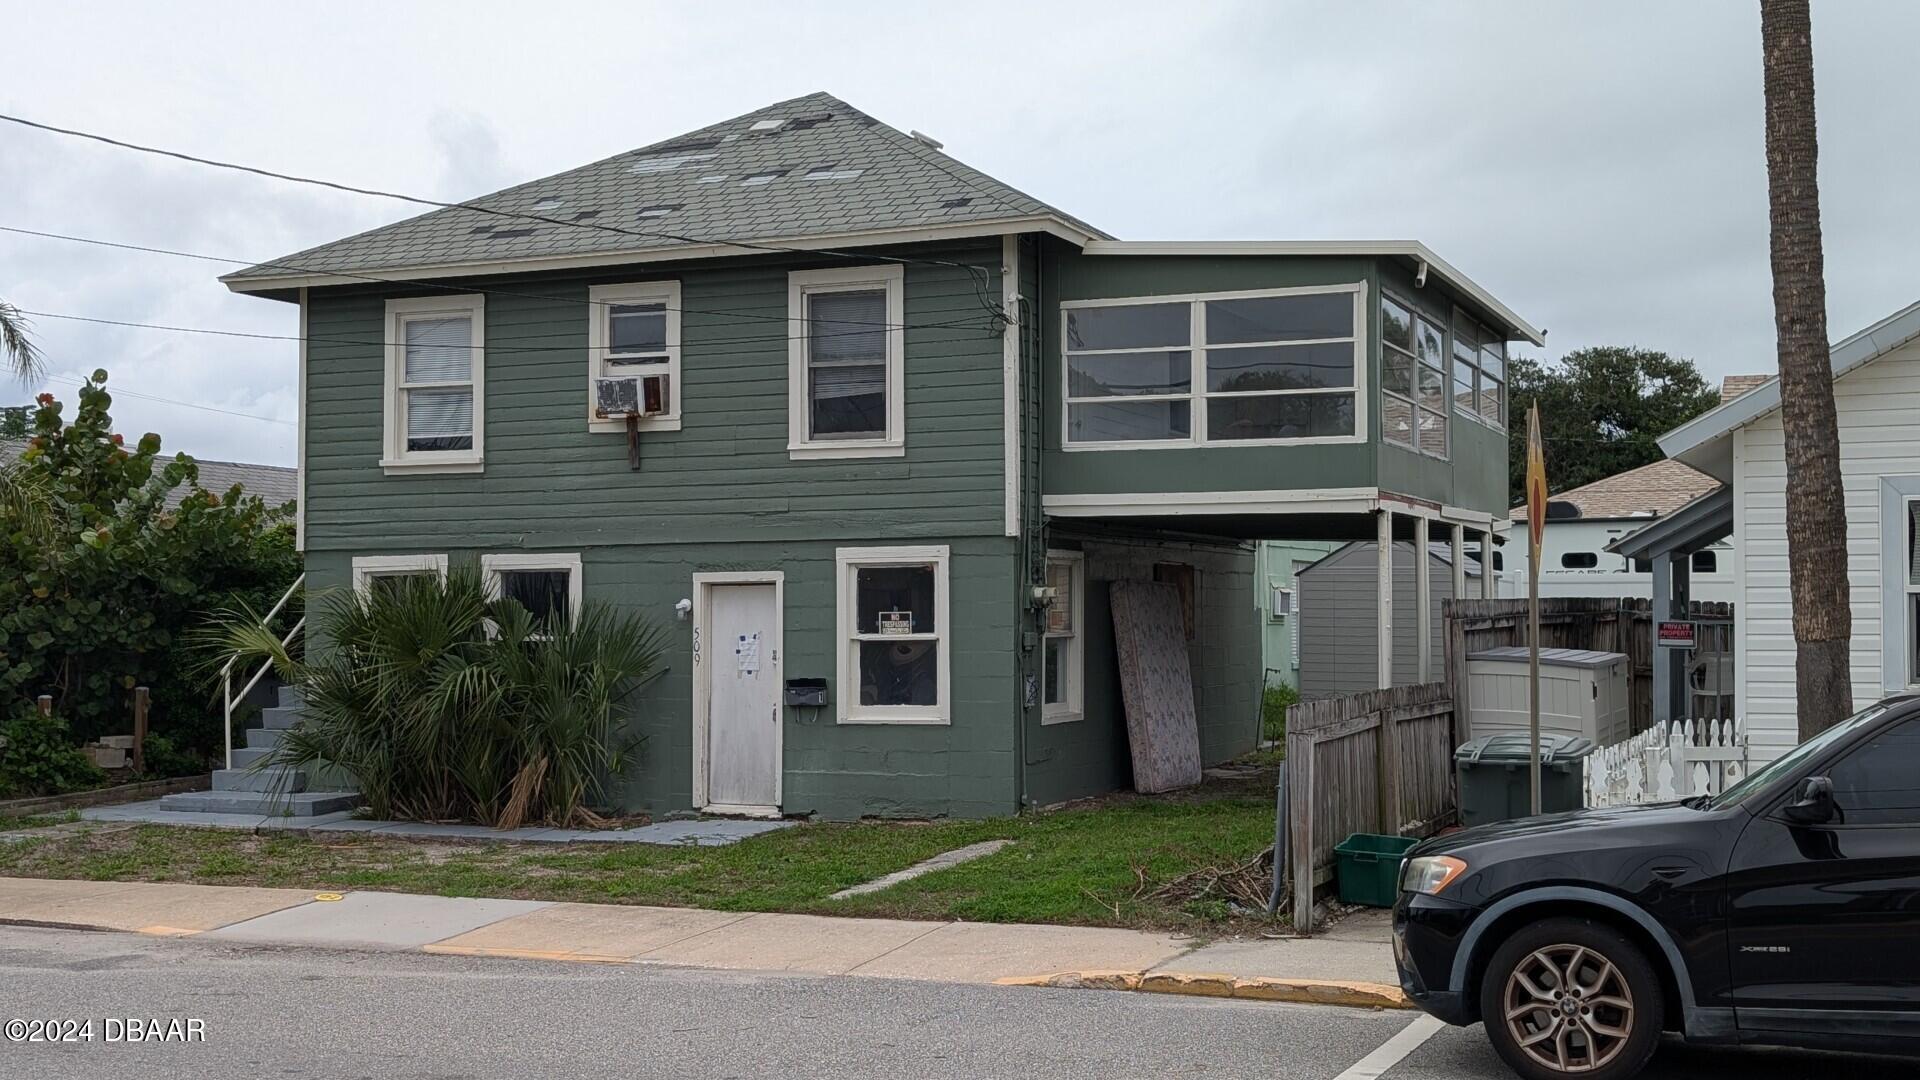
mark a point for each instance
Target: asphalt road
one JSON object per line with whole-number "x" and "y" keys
{"x": 292, "y": 1013}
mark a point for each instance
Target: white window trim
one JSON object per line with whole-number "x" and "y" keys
{"x": 804, "y": 283}
{"x": 1198, "y": 395}
{"x": 846, "y": 658}
{"x": 396, "y": 458}
{"x": 368, "y": 567}
{"x": 491, "y": 567}
{"x": 1412, "y": 398}
{"x": 1074, "y": 708}
{"x": 1498, "y": 423}
{"x": 600, "y": 299}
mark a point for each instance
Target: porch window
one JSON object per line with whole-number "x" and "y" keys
{"x": 634, "y": 332}
{"x": 846, "y": 363}
{"x": 435, "y": 403}
{"x": 1279, "y": 365}
{"x": 547, "y": 585}
{"x": 1479, "y": 371}
{"x": 894, "y": 650}
{"x": 1063, "y": 662}
{"x": 1413, "y": 379}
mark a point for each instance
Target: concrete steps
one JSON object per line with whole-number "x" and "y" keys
{"x": 252, "y": 786}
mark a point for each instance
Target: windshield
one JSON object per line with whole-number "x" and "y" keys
{"x": 1794, "y": 758}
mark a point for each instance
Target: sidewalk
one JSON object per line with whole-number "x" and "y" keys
{"x": 1350, "y": 966}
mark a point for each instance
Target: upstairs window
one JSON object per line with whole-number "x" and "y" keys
{"x": 435, "y": 395}
{"x": 1264, "y": 367}
{"x": 846, "y": 367}
{"x": 633, "y": 356}
{"x": 1413, "y": 378}
{"x": 1479, "y": 371}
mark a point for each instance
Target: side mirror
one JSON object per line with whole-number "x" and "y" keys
{"x": 1812, "y": 804}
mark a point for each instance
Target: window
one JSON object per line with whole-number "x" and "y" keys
{"x": 1479, "y": 371}
{"x": 1879, "y": 784}
{"x": 1280, "y": 604}
{"x": 547, "y": 585}
{"x": 893, "y": 657}
{"x": 635, "y": 331}
{"x": 1274, "y": 366}
{"x": 1182, "y": 577}
{"x": 374, "y": 571}
{"x": 435, "y": 394}
{"x": 1579, "y": 560}
{"x": 1704, "y": 562}
{"x": 1063, "y": 662}
{"x": 846, "y": 363}
{"x": 1413, "y": 379}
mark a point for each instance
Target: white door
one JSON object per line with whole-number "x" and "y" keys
{"x": 743, "y": 699}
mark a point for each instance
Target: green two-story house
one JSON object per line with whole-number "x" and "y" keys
{"x": 871, "y": 433}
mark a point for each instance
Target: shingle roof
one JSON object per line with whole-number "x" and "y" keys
{"x": 812, "y": 166}
{"x": 276, "y": 484}
{"x": 1735, "y": 385}
{"x": 1648, "y": 491}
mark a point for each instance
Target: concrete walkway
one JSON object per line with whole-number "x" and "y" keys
{"x": 709, "y": 832}
{"x": 618, "y": 934}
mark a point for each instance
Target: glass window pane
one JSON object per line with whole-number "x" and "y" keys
{"x": 439, "y": 350}
{"x": 1290, "y": 416}
{"x": 847, "y": 326}
{"x": 899, "y": 672}
{"x": 1913, "y": 542}
{"x": 1060, "y": 613}
{"x": 440, "y": 419}
{"x": 1433, "y": 432}
{"x": 636, "y": 328}
{"x": 894, "y": 599}
{"x": 1129, "y": 421}
{"x": 1490, "y": 399}
{"x": 1139, "y": 326}
{"x": 1056, "y": 671}
{"x": 1433, "y": 390}
{"x": 1430, "y": 343}
{"x": 542, "y": 592}
{"x": 1466, "y": 332}
{"x": 1879, "y": 784}
{"x": 849, "y": 402}
{"x": 1396, "y": 420}
{"x": 1280, "y": 318}
{"x": 1280, "y": 367}
{"x": 1128, "y": 374}
{"x": 1463, "y": 397}
{"x": 1396, "y": 371}
{"x": 1396, "y": 323}
{"x": 1493, "y": 359}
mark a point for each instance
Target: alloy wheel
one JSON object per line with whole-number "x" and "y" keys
{"x": 1569, "y": 1008}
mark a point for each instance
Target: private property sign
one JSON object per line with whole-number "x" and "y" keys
{"x": 1673, "y": 634}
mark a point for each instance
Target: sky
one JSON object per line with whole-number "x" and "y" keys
{"x": 1598, "y": 167}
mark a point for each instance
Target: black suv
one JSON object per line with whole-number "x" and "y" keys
{"x": 1785, "y": 910}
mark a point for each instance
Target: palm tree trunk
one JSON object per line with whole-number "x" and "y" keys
{"x": 1816, "y": 504}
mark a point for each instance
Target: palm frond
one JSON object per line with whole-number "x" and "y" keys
{"x": 18, "y": 350}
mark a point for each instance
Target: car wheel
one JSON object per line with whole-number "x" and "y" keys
{"x": 1565, "y": 997}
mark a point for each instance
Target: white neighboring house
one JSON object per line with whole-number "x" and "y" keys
{"x": 1877, "y": 394}
{"x": 1574, "y": 560}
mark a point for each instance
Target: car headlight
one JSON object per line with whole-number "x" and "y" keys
{"x": 1430, "y": 874}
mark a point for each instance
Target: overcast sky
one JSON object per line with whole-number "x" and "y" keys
{"x": 1598, "y": 167}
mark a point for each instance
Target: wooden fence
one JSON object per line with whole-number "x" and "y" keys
{"x": 1374, "y": 762}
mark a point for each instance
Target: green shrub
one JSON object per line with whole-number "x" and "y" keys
{"x": 38, "y": 756}
{"x": 443, "y": 705}
{"x": 1273, "y": 710}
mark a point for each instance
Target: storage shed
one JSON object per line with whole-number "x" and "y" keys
{"x": 1582, "y": 693}
{"x": 1337, "y": 618}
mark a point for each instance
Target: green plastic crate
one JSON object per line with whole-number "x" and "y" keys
{"x": 1367, "y": 867}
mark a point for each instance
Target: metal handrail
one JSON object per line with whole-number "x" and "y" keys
{"x": 226, "y": 670}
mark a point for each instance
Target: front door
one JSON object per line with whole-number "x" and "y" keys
{"x": 743, "y": 699}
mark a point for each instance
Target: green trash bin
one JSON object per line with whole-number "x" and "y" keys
{"x": 1494, "y": 784}
{"x": 1367, "y": 868}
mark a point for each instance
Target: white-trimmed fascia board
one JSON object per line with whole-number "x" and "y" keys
{"x": 1408, "y": 249}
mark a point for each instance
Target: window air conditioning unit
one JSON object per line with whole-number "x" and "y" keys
{"x": 632, "y": 395}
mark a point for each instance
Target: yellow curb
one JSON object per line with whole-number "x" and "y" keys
{"x": 524, "y": 954}
{"x": 1359, "y": 995}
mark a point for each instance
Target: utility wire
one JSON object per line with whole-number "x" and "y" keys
{"x": 121, "y": 391}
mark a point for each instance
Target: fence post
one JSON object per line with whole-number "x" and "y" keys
{"x": 1300, "y": 792}
{"x": 140, "y": 700}
{"x": 1388, "y": 744}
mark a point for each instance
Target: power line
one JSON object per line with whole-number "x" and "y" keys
{"x": 121, "y": 391}
{"x": 981, "y": 280}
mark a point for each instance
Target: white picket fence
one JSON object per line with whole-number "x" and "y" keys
{"x": 1691, "y": 758}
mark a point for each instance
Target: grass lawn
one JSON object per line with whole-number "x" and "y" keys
{"x": 1103, "y": 863}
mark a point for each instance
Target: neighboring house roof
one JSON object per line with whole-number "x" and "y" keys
{"x": 276, "y": 484}
{"x": 1703, "y": 441}
{"x": 1735, "y": 385}
{"x": 1648, "y": 491}
{"x": 812, "y": 167}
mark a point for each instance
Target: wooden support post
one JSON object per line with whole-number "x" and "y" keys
{"x": 1489, "y": 577}
{"x": 1459, "y": 556}
{"x": 1663, "y": 689}
{"x": 1300, "y": 824}
{"x": 1388, "y": 741}
{"x": 140, "y": 703}
{"x": 1423, "y": 598}
{"x": 1383, "y": 602}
